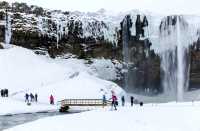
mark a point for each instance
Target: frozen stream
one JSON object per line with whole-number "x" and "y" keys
{"x": 8, "y": 121}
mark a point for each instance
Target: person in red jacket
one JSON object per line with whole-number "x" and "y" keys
{"x": 51, "y": 100}
{"x": 114, "y": 100}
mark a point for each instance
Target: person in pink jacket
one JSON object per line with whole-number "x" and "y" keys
{"x": 51, "y": 100}
{"x": 114, "y": 100}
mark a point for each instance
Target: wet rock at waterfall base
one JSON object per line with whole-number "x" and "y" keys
{"x": 1, "y": 46}
{"x": 195, "y": 66}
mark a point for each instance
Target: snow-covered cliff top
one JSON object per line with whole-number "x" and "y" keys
{"x": 101, "y": 24}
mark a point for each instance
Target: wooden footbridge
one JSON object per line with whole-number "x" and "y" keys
{"x": 66, "y": 103}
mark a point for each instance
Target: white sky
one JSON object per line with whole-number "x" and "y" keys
{"x": 156, "y": 6}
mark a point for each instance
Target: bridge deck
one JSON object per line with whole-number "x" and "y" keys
{"x": 84, "y": 102}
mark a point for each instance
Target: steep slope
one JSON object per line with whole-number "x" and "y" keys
{"x": 23, "y": 72}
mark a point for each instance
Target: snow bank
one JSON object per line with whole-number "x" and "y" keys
{"x": 147, "y": 118}
{"x": 77, "y": 86}
{"x": 106, "y": 69}
{"x": 12, "y": 106}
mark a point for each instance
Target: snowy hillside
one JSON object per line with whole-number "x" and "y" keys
{"x": 22, "y": 72}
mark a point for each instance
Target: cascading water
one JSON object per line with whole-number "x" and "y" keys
{"x": 8, "y": 33}
{"x": 125, "y": 37}
{"x": 40, "y": 25}
{"x": 180, "y": 63}
{"x": 59, "y": 31}
{"x": 168, "y": 65}
{"x": 174, "y": 58}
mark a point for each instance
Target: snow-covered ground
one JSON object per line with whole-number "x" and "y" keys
{"x": 22, "y": 72}
{"x": 10, "y": 106}
{"x": 157, "y": 117}
{"x": 188, "y": 96}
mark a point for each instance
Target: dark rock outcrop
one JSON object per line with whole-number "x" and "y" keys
{"x": 195, "y": 65}
{"x": 143, "y": 63}
{"x": 27, "y": 33}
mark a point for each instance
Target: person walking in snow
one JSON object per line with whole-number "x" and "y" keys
{"x": 27, "y": 97}
{"x": 32, "y": 97}
{"x": 123, "y": 100}
{"x": 51, "y": 100}
{"x": 5, "y": 92}
{"x": 132, "y": 100}
{"x": 104, "y": 100}
{"x": 36, "y": 97}
{"x": 114, "y": 100}
{"x": 2, "y": 93}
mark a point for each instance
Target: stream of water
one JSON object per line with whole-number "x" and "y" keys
{"x": 8, "y": 121}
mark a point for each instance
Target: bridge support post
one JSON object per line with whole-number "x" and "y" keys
{"x": 64, "y": 109}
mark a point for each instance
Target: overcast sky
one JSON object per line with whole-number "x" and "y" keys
{"x": 157, "y": 6}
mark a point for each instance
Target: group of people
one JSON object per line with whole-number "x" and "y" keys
{"x": 115, "y": 100}
{"x": 34, "y": 98}
{"x": 4, "y": 92}
{"x": 133, "y": 101}
{"x": 31, "y": 98}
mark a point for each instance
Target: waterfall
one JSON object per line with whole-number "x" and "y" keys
{"x": 8, "y": 33}
{"x": 59, "y": 31}
{"x": 40, "y": 25}
{"x": 168, "y": 65}
{"x": 174, "y": 58}
{"x": 125, "y": 41}
{"x": 180, "y": 63}
{"x": 183, "y": 66}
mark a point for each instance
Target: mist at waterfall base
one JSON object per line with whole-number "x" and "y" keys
{"x": 174, "y": 39}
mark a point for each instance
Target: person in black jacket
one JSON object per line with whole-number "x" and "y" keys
{"x": 36, "y": 97}
{"x": 132, "y": 99}
{"x": 32, "y": 97}
{"x": 2, "y": 93}
{"x": 27, "y": 97}
{"x": 123, "y": 100}
{"x": 5, "y": 92}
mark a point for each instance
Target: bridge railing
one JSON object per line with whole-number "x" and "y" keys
{"x": 84, "y": 102}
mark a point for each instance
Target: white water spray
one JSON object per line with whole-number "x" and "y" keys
{"x": 174, "y": 63}
{"x": 59, "y": 31}
{"x": 180, "y": 64}
{"x": 8, "y": 32}
{"x": 125, "y": 40}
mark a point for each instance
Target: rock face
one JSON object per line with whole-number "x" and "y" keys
{"x": 95, "y": 35}
{"x": 58, "y": 32}
{"x": 143, "y": 65}
{"x": 195, "y": 65}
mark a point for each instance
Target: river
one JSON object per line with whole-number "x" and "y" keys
{"x": 8, "y": 121}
